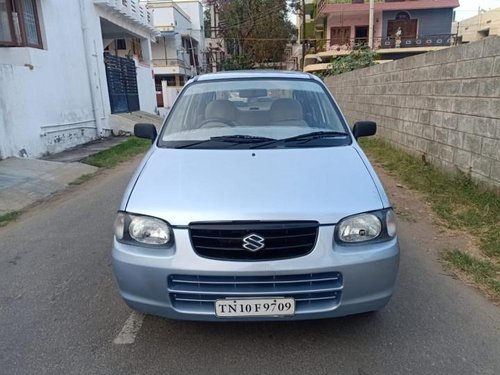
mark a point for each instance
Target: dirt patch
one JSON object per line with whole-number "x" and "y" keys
{"x": 412, "y": 209}
{"x": 419, "y": 223}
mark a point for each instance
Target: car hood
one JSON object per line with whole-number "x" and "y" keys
{"x": 322, "y": 184}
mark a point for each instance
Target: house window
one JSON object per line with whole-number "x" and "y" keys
{"x": 403, "y": 16}
{"x": 340, "y": 35}
{"x": 121, "y": 44}
{"x": 158, "y": 86}
{"x": 407, "y": 25}
{"x": 171, "y": 81}
{"x": 19, "y": 24}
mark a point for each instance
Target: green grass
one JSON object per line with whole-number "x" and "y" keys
{"x": 483, "y": 272}
{"x": 83, "y": 178}
{"x": 8, "y": 217}
{"x": 121, "y": 152}
{"x": 457, "y": 200}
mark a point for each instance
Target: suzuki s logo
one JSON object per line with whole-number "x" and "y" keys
{"x": 253, "y": 242}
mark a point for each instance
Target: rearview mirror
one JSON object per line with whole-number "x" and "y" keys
{"x": 147, "y": 131}
{"x": 364, "y": 129}
{"x": 253, "y": 93}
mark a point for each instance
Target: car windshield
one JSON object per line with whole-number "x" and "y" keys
{"x": 254, "y": 113}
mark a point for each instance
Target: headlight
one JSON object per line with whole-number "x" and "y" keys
{"x": 364, "y": 227}
{"x": 145, "y": 230}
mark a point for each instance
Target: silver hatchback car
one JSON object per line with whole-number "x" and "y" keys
{"x": 255, "y": 202}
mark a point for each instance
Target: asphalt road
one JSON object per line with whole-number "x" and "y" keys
{"x": 60, "y": 312}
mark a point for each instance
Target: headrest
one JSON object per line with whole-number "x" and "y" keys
{"x": 286, "y": 109}
{"x": 222, "y": 110}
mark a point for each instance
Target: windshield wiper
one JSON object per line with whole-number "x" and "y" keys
{"x": 315, "y": 135}
{"x": 235, "y": 139}
{"x": 240, "y": 138}
{"x": 304, "y": 137}
{"x": 263, "y": 141}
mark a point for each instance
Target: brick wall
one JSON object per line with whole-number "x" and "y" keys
{"x": 444, "y": 105}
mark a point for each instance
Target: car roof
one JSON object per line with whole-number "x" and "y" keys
{"x": 266, "y": 74}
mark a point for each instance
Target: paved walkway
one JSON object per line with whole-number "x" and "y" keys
{"x": 25, "y": 181}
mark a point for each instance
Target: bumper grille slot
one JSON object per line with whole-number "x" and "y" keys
{"x": 312, "y": 292}
{"x": 281, "y": 239}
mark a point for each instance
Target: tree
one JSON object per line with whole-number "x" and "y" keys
{"x": 255, "y": 31}
{"x": 360, "y": 57}
{"x": 207, "y": 23}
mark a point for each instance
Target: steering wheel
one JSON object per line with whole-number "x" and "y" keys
{"x": 216, "y": 121}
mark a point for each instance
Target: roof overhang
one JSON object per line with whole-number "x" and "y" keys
{"x": 132, "y": 17}
{"x": 404, "y": 5}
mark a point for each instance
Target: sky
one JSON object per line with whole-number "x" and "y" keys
{"x": 468, "y": 8}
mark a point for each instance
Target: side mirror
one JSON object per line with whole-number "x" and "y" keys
{"x": 147, "y": 131}
{"x": 364, "y": 129}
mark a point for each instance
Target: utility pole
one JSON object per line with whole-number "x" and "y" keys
{"x": 370, "y": 24}
{"x": 303, "y": 33}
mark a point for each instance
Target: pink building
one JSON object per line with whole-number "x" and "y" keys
{"x": 423, "y": 25}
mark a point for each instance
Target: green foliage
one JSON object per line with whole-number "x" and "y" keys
{"x": 82, "y": 179}
{"x": 458, "y": 201}
{"x": 242, "y": 62}
{"x": 121, "y": 152}
{"x": 8, "y": 217}
{"x": 255, "y": 31}
{"x": 360, "y": 57}
{"x": 482, "y": 271}
{"x": 207, "y": 23}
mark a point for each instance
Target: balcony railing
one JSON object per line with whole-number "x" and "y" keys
{"x": 131, "y": 9}
{"x": 322, "y": 2}
{"x": 326, "y": 2}
{"x": 169, "y": 62}
{"x": 440, "y": 40}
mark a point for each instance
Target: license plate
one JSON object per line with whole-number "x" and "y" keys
{"x": 229, "y": 308}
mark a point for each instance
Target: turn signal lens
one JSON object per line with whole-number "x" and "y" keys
{"x": 390, "y": 219}
{"x": 119, "y": 225}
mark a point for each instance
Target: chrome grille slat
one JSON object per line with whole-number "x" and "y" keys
{"x": 253, "y": 282}
{"x": 268, "y": 248}
{"x": 240, "y": 293}
{"x": 239, "y": 238}
{"x": 182, "y": 299}
{"x": 312, "y": 292}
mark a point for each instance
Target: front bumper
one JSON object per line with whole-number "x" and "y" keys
{"x": 366, "y": 278}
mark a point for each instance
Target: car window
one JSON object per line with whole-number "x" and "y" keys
{"x": 271, "y": 108}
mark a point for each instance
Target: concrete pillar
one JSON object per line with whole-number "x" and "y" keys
{"x": 147, "y": 54}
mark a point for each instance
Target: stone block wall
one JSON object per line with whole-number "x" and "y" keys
{"x": 444, "y": 105}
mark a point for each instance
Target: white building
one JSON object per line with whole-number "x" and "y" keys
{"x": 485, "y": 24}
{"x": 179, "y": 52}
{"x": 54, "y": 75}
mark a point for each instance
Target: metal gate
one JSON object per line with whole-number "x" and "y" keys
{"x": 122, "y": 84}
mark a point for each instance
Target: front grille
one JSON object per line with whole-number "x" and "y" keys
{"x": 225, "y": 240}
{"x": 312, "y": 292}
